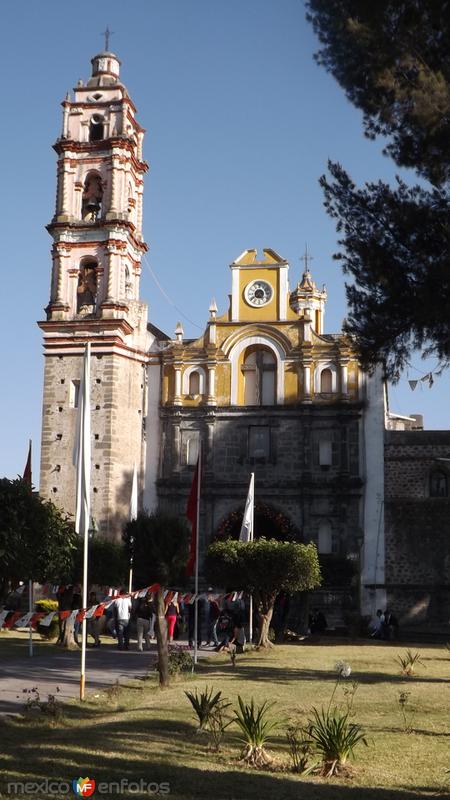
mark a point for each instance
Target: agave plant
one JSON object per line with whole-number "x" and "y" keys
{"x": 256, "y": 727}
{"x": 204, "y": 704}
{"x": 334, "y": 737}
{"x": 408, "y": 662}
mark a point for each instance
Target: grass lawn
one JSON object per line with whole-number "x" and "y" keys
{"x": 14, "y": 645}
{"x": 145, "y": 733}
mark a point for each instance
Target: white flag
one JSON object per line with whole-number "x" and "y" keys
{"x": 134, "y": 496}
{"x": 82, "y": 449}
{"x": 48, "y": 619}
{"x": 246, "y": 534}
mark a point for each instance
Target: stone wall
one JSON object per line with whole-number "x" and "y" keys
{"x": 417, "y": 527}
{"x": 117, "y": 412}
{"x": 290, "y": 480}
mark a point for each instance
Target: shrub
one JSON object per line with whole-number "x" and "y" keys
{"x": 256, "y": 727}
{"x": 408, "y": 662}
{"x": 334, "y": 737}
{"x": 219, "y": 720}
{"x": 51, "y": 707}
{"x": 179, "y": 661}
{"x": 300, "y": 749}
{"x": 51, "y": 631}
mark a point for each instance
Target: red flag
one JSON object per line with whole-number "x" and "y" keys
{"x": 27, "y": 471}
{"x": 191, "y": 513}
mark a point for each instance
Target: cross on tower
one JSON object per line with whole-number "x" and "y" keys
{"x": 107, "y": 34}
{"x": 307, "y": 258}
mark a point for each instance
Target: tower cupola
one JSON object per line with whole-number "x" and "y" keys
{"x": 105, "y": 69}
{"x": 309, "y": 301}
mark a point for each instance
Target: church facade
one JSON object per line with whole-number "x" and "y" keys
{"x": 263, "y": 390}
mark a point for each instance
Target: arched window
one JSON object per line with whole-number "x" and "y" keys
{"x": 87, "y": 288}
{"x": 326, "y": 381}
{"x": 91, "y": 203}
{"x": 325, "y": 538}
{"x": 96, "y": 128}
{"x": 259, "y": 371}
{"x": 194, "y": 383}
{"x": 438, "y": 483}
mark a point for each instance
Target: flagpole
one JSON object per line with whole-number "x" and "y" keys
{"x": 133, "y": 515}
{"x": 197, "y": 550}
{"x": 30, "y": 582}
{"x": 250, "y": 622}
{"x": 30, "y": 609}
{"x": 82, "y": 457}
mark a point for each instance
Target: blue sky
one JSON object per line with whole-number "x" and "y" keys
{"x": 240, "y": 123}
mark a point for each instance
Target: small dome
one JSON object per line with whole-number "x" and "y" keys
{"x": 105, "y": 69}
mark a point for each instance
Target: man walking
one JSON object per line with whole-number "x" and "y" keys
{"x": 123, "y": 613}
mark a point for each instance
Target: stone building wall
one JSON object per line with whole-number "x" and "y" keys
{"x": 290, "y": 481}
{"x": 117, "y": 413}
{"x": 417, "y": 527}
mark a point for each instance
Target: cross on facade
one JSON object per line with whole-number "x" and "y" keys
{"x": 307, "y": 258}
{"x": 107, "y": 34}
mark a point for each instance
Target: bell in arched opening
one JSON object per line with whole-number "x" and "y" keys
{"x": 91, "y": 204}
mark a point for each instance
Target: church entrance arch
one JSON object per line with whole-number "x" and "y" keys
{"x": 268, "y": 522}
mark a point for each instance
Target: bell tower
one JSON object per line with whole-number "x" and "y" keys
{"x": 94, "y": 296}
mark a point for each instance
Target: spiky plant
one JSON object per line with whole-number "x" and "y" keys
{"x": 203, "y": 704}
{"x": 334, "y": 737}
{"x": 408, "y": 662}
{"x": 256, "y": 727}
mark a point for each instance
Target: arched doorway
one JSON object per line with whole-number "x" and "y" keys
{"x": 268, "y": 522}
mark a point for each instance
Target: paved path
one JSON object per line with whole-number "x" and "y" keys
{"x": 104, "y": 665}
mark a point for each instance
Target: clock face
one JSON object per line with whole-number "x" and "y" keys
{"x": 258, "y": 293}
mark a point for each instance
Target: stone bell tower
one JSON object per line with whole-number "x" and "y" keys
{"x": 94, "y": 296}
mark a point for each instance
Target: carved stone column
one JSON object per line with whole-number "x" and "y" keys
{"x": 211, "y": 397}
{"x": 307, "y": 382}
{"x": 177, "y": 400}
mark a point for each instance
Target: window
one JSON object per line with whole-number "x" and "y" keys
{"x": 326, "y": 449}
{"x": 259, "y": 371}
{"x": 259, "y": 443}
{"x": 325, "y": 538}
{"x": 96, "y": 129}
{"x": 438, "y": 483}
{"x": 325, "y": 453}
{"x": 189, "y": 447}
{"x": 326, "y": 381}
{"x": 74, "y": 393}
{"x": 194, "y": 383}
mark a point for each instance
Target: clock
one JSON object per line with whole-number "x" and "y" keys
{"x": 258, "y": 293}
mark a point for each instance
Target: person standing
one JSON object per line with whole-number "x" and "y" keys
{"x": 93, "y": 624}
{"x": 213, "y": 616}
{"x": 123, "y": 613}
{"x": 172, "y": 611}
{"x": 145, "y": 622}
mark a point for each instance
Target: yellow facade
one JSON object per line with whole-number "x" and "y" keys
{"x": 268, "y": 348}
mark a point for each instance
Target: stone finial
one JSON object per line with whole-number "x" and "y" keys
{"x": 212, "y": 309}
{"x": 179, "y": 332}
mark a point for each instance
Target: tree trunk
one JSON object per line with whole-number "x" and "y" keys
{"x": 68, "y": 640}
{"x": 161, "y": 639}
{"x": 265, "y": 618}
{"x": 66, "y": 637}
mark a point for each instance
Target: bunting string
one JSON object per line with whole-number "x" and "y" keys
{"x": 10, "y": 618}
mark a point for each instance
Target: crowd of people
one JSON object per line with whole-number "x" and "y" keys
{"x": 219, "y": 625}
{"x": 384, "y": 626}
{"x": 222, "y": 623}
